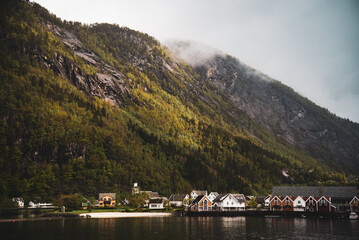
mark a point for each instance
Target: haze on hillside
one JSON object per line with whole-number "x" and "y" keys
{"x": 308, "y": 45}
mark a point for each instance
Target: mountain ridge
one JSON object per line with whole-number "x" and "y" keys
{"x": 91, "y": 108}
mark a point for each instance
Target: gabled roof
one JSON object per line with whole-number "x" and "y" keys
{"x": 214, "y": 193}
{"x": 317, "y": 191}
{"x": 152, "y": 194}
{"x": 311, "y": 197}
{"x": 239, "y": 197}
{"x": 200, "y": 192}
{"x": 198, "y": 199}
{"x": 102, "y": 195}
{"x": 355, "y": 197}
{"x": 155, "y": 200}
{"x": 219, "y": 198}
{"x": 177, "y": 197}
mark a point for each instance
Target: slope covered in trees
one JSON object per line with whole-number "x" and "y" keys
{"x": 169, "y": 130}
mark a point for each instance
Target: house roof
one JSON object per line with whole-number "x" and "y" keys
{"x": 18, "y": 199}
{"x": 219, "y": 198}
{"x": 239, "y": 197}
{"x": 215, "y": 193}
{"x": 152, "y": 194}
{"x": 197, "y": 199}
{"x": 177, "y": 197}
{"x": 355, "y": 197}
{"x": 102, "y": 195}
{"x": 260, "y": 199}
{"x": 200, "y": 192}
{"x": 155, "y": 200}
{"x": 306, "y": 191}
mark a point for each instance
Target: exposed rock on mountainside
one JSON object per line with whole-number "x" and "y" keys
{"x": 285, "y": 113}
{"x": 108, "y": 83}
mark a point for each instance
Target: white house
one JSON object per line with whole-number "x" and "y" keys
{"x": 156, "y": 203}
{"x": 213, "y": 195}
{"x": 299, "y": 204}
{"x": 40, "y": 205}
{"x": 19, "y": 201}
{"x": 195, "y": 193}
{"x": 228, "y": 202}
{"x": 32, "y": 204}
{"x": 266, "y": 201}
{"x": 179, "y": 199}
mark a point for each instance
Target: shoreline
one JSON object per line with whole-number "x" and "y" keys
{"x": 124, "y": 214}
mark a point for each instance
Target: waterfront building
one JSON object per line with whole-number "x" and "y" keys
{"x": 228, "y": 202}
{"x": 195, "y": 193}
{"x": 299, "y": 204}
{"x": 107, "y": 199}
{"x": 213, "y": 195}
{"x": 19, "y": 201}
{"x": 354, "y": 204}
{"x": 340, "y": 196}
{"x": 156, "y": 203}
{"x": 179, "y": 200}
{"x": 201, "y": 204}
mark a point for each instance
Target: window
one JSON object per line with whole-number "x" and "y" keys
{"x": 205, "y": 203}
{"x": 299, "y": 202}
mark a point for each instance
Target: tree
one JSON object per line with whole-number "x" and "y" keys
{"x": 252, "y": 203}
{"x": 139, "y": 200}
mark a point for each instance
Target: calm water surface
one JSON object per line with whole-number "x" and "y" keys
{"x": 182, "y": 228}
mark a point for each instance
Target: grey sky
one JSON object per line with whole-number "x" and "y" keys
{"x": 309, "y": 45}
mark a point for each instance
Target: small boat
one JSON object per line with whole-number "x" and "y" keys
{"x": 353, "y": 215}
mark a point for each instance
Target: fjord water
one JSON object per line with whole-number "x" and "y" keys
{"x": 182, "y": 228}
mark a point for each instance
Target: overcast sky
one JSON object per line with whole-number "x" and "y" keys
{"x": 309, "y": 45}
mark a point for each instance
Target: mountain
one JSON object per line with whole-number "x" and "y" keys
{"x": 279, "y": 109}
{"x": 93, "y": 108}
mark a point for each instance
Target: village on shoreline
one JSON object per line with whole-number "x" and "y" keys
{"x": 284, "y": 200}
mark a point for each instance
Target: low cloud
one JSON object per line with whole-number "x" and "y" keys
{"x": 193, "y": 53}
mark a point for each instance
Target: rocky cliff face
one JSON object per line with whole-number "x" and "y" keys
{"x": 281, "y": 111}
{"x": 108, "y": 83}
{"x": 285, "y": 113}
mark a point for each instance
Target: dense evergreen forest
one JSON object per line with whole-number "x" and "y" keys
{"x": 172, "y": 132}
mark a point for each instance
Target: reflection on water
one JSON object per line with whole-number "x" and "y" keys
{"x": 182, "y": 228}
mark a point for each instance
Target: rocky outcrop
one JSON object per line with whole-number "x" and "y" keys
{"x": 108, "y": 83}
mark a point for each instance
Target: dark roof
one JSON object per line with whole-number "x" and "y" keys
{"x": 219, "y": 198}
{"x": 260, "y": 199}
{"x": 317, "y": 191}
{"x": 177, "y": 197}
{"x": 156, "y": 200}
{"x": 197, "y": 199}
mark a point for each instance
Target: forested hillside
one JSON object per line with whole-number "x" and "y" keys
{"x": 93, "y": 108}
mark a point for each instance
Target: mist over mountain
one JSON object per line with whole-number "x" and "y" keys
{"x": 282, "y": 111}
{"x": 92, "y": 108}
